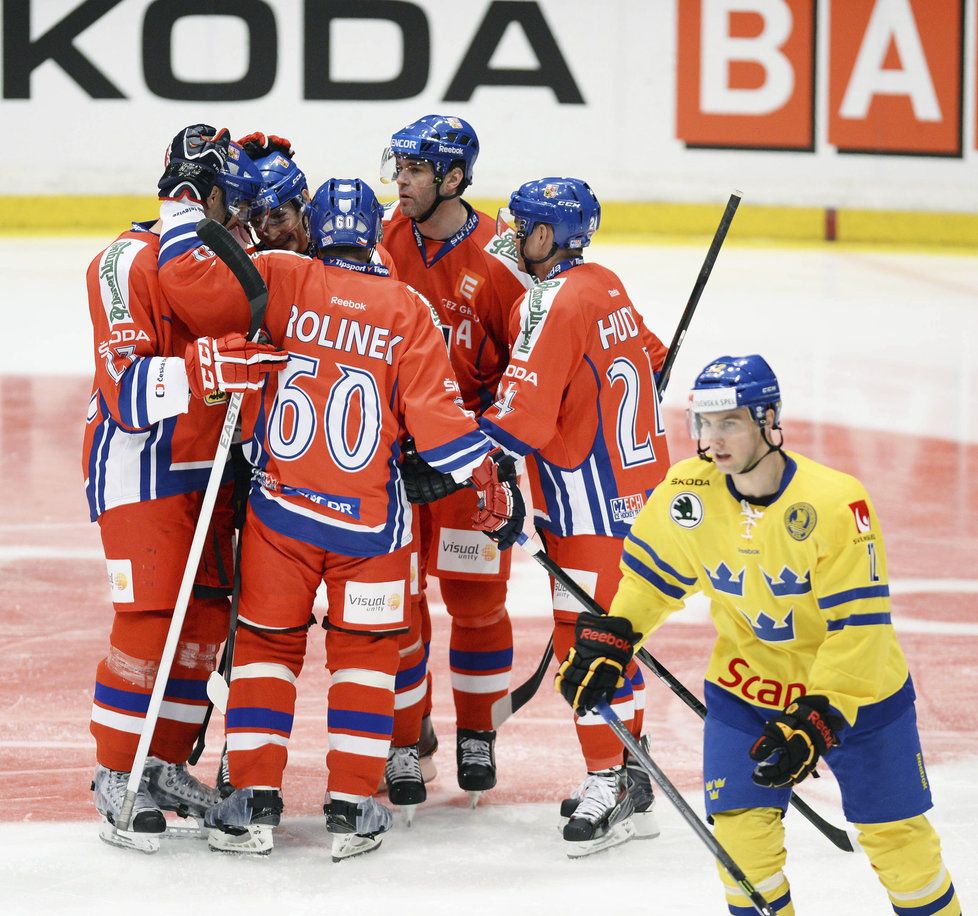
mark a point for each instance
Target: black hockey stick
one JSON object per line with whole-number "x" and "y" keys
{"x": 505, "y": 706}
{"x": 223, "y": 244}
{"x": 682, "y": 806}
{"x": 698, "y": 287}
{"x": 835, "y": 835}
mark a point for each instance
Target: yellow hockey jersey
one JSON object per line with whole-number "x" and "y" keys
{"x": 797, "y": 585}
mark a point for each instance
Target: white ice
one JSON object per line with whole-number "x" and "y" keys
{"x": 858, "y": 337}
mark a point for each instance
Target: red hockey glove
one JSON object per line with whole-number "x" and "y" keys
{"x": 257, "y": 145}
{"x": 501, "y": 509}
{"x": 793, "y": 741}
{"x": 230, "y": 364}
{"x": 192, "y": 162}
{"x": 594, "y": 667}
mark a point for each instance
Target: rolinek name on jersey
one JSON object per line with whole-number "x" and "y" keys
{"x": 350, "y": 335}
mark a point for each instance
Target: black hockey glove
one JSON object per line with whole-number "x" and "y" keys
{"x": 193, "y": 161}
{"x": 257, "y": 145}
{"x": 793, "y": 741}
{"x": 594, "y": 667}
{"x": 501, "y": 511}
{"x": 422, "y": 483}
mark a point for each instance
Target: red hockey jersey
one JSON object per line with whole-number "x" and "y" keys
{"x": 473, "y": 282}
{"x": 145, "y": 437}
{"x": 578, "y": 397}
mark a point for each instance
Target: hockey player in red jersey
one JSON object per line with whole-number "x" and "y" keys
{"x": 367, "y": 362}
{"x": 451, "y": 254}
{"x": 578, "y": 400}
{"x": 153, "y": 425}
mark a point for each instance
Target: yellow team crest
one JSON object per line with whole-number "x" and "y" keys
{"x": 800, "y": 520}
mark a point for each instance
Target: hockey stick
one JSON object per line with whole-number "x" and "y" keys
{"x": 683, "y": 807}
{"x": 835, "y": 835}
{"x": 505, "y": 706}
{"x": 698, "y": 287}
{"x": 223, "y": 244}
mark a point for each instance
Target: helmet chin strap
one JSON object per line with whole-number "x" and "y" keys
{"x": 532, "y": 262}
{"x": 439, "y": 200}
{"x": 771, "y": 447}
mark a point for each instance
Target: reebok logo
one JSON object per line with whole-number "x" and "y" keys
{"x": 601, "y": 636}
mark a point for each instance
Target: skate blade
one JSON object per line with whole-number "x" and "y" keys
{"x": 256, "y": 840}
{"x": 646, "y": 825}
{"x": 620, "y": 833}
{"x": 125, "y": 839}
{"x": 348, "y": 845}
{"x": 409, "y": 812}
{"x": 474, "y": 797}
{"x": 189, "y": 828}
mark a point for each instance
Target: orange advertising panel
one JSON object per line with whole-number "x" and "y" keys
{"x": 895, "y": 76}
{"x": 745, "y": 73}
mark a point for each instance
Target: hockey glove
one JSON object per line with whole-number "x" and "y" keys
{"x": 193, "y": 161}
{"x": 793, "y": 741}
{"x": 501, "y": 509}
{"x": 230, "y": 364}
{"x": 422, "y": 483}
{"x": 594, "y": 667}
{"x": 257, "y": 145}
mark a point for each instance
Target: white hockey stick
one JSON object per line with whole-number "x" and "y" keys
{"x": 223, "y": 244}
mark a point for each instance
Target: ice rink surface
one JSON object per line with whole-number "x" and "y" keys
{"x": 876, "y": 357}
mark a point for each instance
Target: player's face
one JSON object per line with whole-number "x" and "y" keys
{"x": 283, "y": 228}
{"x": 732, "y": 438}
{"x": 416, "y": 188}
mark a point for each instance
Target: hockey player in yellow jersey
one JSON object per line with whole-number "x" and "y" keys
{"x": 806, "y": 665}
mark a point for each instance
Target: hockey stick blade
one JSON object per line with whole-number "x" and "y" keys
{"x": 218, "y": 691}
{"x": 683, "y": 807}
{"x": 505, "y": 706}
{"x": 224, "y": 245}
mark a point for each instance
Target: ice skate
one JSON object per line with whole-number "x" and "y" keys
{"x": 640, "y": 790}
{"x": 643, "y": 797}
{"x": 475, "y": 754}
{"x": 243, "y": 821}
{"x": 357, "y": 827}
{"x": 402, "y": 776}
{"x": 602, "y": 817}
{"x": 173, "y": 788}
{"x": 427, "y": 745}
{"x": 147, "y": 823}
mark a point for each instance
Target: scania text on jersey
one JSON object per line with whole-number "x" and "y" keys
{"x": 755, "y": 689}
{"x": 350, "y": 335}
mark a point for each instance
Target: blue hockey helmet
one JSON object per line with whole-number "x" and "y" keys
{"x": 241, "y": 182}
{"x": 282, "y": 180}
{"x": 443, "y": 140}
{"x": 731, "y": 382}
{"x": 345, "y": 211}
{"x": 567, "y": 204}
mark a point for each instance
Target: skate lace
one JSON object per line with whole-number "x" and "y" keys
{"x": 403, "y": 765}
{"x": 598, "y": 794}
{"x": 176, "y": 779}
{"x": 476, "y": 751}
{"x": 112, "y": 787}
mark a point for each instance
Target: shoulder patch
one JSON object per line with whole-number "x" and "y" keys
{"x": 113, "y": 278}
{"x": 686, "y": 510}
{"x": 534, "y": 309}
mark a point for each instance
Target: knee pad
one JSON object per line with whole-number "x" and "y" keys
{"x": 754, "y": 837}
{"x": 906, "y": 856}
{"x": 474, "y": 604}
{"x": 364, "y": 651}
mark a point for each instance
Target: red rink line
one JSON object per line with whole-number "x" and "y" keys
{"x": 55, "y": 617}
